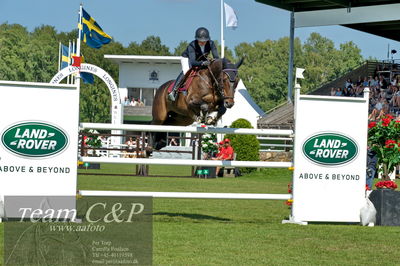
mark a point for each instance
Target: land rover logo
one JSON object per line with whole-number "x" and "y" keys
{"x": 34, "y": 139}
{"x": 330, "y": 149}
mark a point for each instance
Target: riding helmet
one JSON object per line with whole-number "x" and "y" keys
{"x": 202, "y": 34}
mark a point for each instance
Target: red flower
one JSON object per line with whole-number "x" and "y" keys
{"x": 385, "y": 122}
{"x": 372, "y": 124}
{"x": 386, "y": 184}
{"x": 390, "y": 143}
{"x": 289, "y": 187}
{"x": 289, "y": 202}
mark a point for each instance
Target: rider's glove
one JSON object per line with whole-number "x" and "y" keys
{"x": 205, "y": 63}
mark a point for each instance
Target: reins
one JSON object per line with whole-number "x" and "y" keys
{"x": 220, "y": 88}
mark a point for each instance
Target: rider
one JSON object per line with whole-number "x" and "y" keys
{"x": 197, "y": 52}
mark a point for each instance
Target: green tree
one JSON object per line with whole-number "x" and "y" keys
{"x": 95, "y": 103}
{"x": 181, "y": 48}
{"x": 152, "y": 46}
{"x": 14, "y": 44}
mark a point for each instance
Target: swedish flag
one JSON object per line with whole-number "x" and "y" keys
{"x": 64, "y": 56}
{"x": 92, "y": 34}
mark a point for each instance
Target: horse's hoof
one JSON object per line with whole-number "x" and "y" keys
{"x": 210, "y": 120}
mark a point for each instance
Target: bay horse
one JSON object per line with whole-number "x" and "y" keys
{"x": 211, "y": 90}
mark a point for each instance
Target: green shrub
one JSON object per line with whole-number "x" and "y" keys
{"x": 246, "y": 147}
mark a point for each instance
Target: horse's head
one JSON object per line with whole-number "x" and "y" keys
{"x": 227, "y": 76}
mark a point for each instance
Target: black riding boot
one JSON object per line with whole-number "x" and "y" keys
{"x": 172, "y": 94}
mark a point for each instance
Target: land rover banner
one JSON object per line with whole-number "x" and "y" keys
{"x": 38, "y": 139}
{"x": 330, "y": 158}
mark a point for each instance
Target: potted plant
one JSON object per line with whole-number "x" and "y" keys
{"x": 208, "y": 145}
{"x": 384, "y": 139}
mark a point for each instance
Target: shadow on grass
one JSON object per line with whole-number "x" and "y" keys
{"x": 192, "y": 216}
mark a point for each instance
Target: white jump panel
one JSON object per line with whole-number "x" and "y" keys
{"x": 39, "y": 138}
{"x": 330, "y": 158}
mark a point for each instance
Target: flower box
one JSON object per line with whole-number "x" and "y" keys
{"x": 387, "y": 205}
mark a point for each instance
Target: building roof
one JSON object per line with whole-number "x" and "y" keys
{"x": 388, "y": 29}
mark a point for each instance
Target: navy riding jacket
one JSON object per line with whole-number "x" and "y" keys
{"x": 196, "y": 56}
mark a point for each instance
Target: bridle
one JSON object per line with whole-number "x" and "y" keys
{"x": 232, "y": 74}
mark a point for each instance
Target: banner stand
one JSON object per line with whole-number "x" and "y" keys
{"x": 330, "y": 148}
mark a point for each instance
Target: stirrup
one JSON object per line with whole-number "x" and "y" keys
{"x": 171, "y": 96}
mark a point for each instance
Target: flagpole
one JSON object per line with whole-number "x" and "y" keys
{"x": 222, "y": 30}
{"x": 69, "y": 80}
{"x": 59, "y": 56}
{"x": 78, "y": 41}
{"x": 78, "y": 45}
{"x": 77, "y": 80}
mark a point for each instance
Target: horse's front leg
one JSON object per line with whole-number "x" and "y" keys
{"x": 220, "y": 112}
{"x": 203, "y": 112}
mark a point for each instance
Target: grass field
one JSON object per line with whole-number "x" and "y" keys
{"x": 243, "y": 232}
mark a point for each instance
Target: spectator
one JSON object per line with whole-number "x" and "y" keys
{"x": 338, "y": 92}
{"x": 385, "y": 109}
{"x": 173, "y": 142}
{"x": 126, "y": 102}
{"x": 129, "y": 147}
{"x": 134, "y": 102}
{"x": 140, "y": 103}
{"x": 351, "y": 93}
{"x": 333, "y": 91}
{"x": 371, "y": 82}
{"x": 382, "y": 83}
{"x": 377, "y": 110}
{"x": 220, "y": 146}
{"x": 393, "y": 82}
{"x": 375, "y": 83}
{"x": 365, "y": 82}
{"x": 359, "y": 81}
{"x": 395, "y": 101}
{"x": 226, "y": 153}
{"x": 348, "y": 83}
{"x": 345, "y": 92}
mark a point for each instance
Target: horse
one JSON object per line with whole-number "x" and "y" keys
{"x": 211, "y": 90}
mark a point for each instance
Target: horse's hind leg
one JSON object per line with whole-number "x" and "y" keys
{"x": 160, "y": 115}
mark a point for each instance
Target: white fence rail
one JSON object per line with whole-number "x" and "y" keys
{"x": 177, "y": 129}
{"x": 186, "y": 195}
{"x": 186, "y": 162}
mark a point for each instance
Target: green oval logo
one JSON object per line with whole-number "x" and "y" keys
{"x": 34, "y": 139}
{"x": 330, "y": 149}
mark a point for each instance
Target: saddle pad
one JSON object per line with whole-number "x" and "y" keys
{"x": 186, "y": 84}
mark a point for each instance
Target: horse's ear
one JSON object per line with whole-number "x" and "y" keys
{"x": 238, "y": 64}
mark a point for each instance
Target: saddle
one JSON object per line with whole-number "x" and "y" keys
{"x": 186, "y": 80}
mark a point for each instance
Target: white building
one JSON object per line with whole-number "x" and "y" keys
{"x": 140, "y": 76}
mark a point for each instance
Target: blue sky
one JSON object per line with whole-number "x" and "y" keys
{"x": 175, "y": 20}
